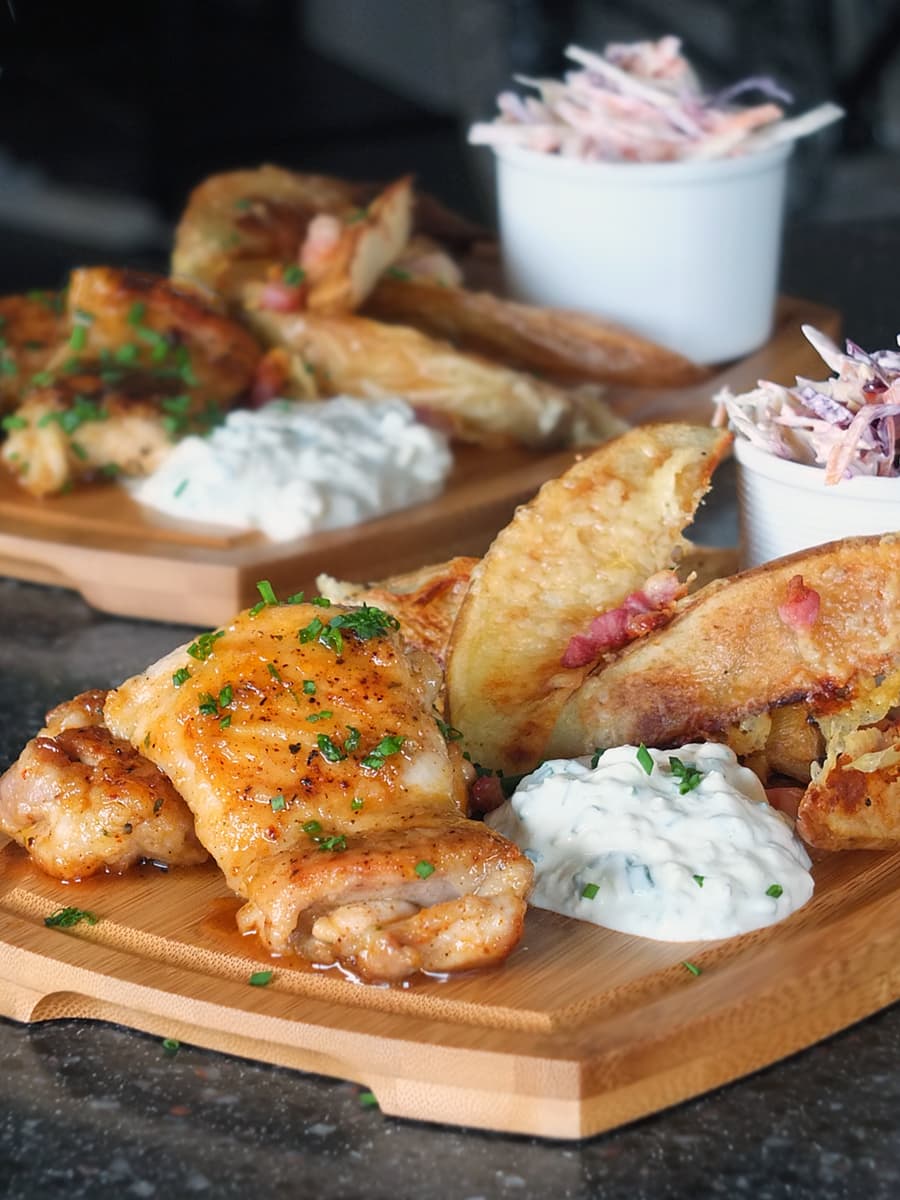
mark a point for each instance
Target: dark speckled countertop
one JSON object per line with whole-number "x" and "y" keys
{"x": 89, "y": 1110}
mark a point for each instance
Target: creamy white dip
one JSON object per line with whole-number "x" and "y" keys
{"x": 289, "y": 469}
{"x": 624, "y": 848}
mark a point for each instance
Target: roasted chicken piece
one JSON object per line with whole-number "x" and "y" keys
{"x": 81, "y": 801}
{"x": 31, "y": 327}
{"x": 144, "y": 363}
{"x": 305, "y": 741}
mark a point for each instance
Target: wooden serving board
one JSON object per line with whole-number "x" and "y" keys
{"x": 581, "y": 1030}
{"x": 128, "y": 560}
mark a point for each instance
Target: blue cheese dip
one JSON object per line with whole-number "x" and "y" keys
{"x": 290, "y": 469}
{"x": 677, "y": 845}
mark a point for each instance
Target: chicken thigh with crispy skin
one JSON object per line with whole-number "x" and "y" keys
{"x": 304, "y": 739}
{"x": 82, "y": 801}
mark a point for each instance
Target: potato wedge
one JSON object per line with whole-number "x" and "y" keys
{"x": 364, "y": 248}
{"x": 569, "y": 347}
{"x": 729, "y": 654}
{"x": 588, "y": 540}
{"x": 473, "y": 399}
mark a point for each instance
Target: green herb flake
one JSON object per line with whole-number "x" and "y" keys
{"x": 367, "y": 1100}
{"x": 589, "y": 891}
{"x": 324, "y": 714}
{"x": 13, "y": 422}
{"x": 182, "y": 675}
{"x": 366, "y": 622}
{"x": 65, "y": 918}
{"x": 424, "y": 869}
{"x": 321, "y": 601}
{"x": 293, "y": 275}
{"x": 42, "y": 379}
{"x": 136, "y": 312}
{"x": 277, "y": 803}
{"x": 267, "y": 592}
{"x": 645, "y": 758}
{"x": 775, "y": 890}
{"x": 207, "y": 705}
{"x": 398, "y": 273}
{"x": 690, "y": 777}
{"x": 595, "y": 758}
{"x": 448, "y": 732}
{"x": 356, "y": 803}
{"x": 311, "y": 827}
{"x": 698, "y": 879}
{"x": 205, "y": 644}
{"x": 261, "y": 978}
{"x": 328, "y": 749}
{"x": 297, "y": 598}
{"x": 126, "y": 353}
{"x": 171, "y": 1045}
{"x": 78, "y": 338}
{"x": 352, "y": 740}
{"x": 336, "y": 843}
{"x": 225, "y": 722}
{"x": 309, "y": 687}
{"x": 693, "y": 968}
{"x": 180, "y": 489}
{"x": 374, "y": 760}
{"x": 311, "y": 631}
{"x": 226, "y": 695}
{"x": 274, "y": 672}
{"x": 243, "y": 204}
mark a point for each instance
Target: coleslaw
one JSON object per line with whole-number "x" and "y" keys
{"x": 849, "y": 424}
{"x": 642, "y": 102}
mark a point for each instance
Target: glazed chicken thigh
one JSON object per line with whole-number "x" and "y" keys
{"x": 81, "y": 801}
{"x": 304, "y": 739}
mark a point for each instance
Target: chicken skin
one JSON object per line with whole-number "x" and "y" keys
{"x": 304, "y": 739}
{"x": 140, "y": 362}
{"x": 81, "y": 801}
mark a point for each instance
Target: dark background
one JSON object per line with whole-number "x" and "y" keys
{"x": 110, "y": 112}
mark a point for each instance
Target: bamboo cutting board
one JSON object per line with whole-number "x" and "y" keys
{"x": 580, "y": 1031}
{"x": 128, "y": 560}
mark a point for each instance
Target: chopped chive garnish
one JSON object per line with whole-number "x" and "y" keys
{"x": 277, "y": 803}
{"x": 261, "y": 978}
{"x": 171, "y": 1045}
{"x": 312, "y": 827}
{"x": 324, "y": 714}
{"x": 352, "y": 740}
{"x": 328, "y": 749}
{"x": 698, "y": 879}
{"x": 321, "y": 601}
{"x": 242, "y": 205}
{"x": 42, "y": 379}
{"x": 337, "y": 842}
{"x": 387, "y": 746}
{"x": 13, "y": 422}
{"x": 78, "y": 338}
{"x": 267, "y": 592}
{"x": 775, "y": 890}
{"x": 205, "y": 644}
{"x": 448, "y": 732}
{"x": 257, "y": 608}
{"x": 694, "y": 970}
{"x": 311, "y": 631}
{"x": 178, "y": 491}
{"x": 65, "y": 918}
{"x": 293, "y": 275}
{"x": 273, "y": 671}
{"x": 225, "y": 721}
{"x": 136, "y": 312}
{"x": 398, "y": 273}
{"x": 226, "y": 695}
{"x": 182, "y": 675}
{"x": 424, "y": 869}
{"x": 297, "y": 598}
{"x": 367, "y": 1100}
{"x": 356, "y": 803}
{"x": 590, "y": 890}
{"x": 207, "y": 705}
{"x": 690, "y": 777}
{"x": 595, "y": 758}
{"x": 645, "y": 758}
{"x": 309, "y": 687}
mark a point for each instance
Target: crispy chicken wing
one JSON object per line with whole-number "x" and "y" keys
{"x": 304, "y": 739}
{"x": 82, "y": 801}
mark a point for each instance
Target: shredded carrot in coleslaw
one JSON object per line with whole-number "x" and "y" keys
{"x": 642, "y": 102}
{"x": 849, "y": 424}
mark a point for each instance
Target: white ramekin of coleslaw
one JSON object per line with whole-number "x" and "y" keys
{"x": 820, "y": 460}
{"x": 626, "y": 191}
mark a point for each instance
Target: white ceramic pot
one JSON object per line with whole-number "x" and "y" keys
{"x": 785, "y": 506}
{"x": 685, "y": 253}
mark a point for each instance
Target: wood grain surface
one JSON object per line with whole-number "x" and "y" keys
{"x": 128, "y": 560}
{"x": 583, "y": 1029}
